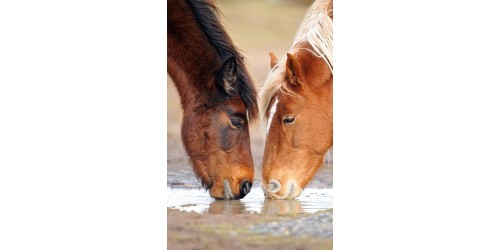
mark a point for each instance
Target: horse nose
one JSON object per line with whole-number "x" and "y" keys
{"x": 274, "y": 186}
{"x": 245, "y": 187}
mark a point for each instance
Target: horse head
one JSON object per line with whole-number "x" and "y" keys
{"x": 300, "y": 125}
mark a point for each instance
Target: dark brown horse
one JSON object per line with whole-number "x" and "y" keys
{"x": 217, "y": 96}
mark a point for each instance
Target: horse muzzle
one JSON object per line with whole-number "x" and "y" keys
{"x": 274, "y": 190}
{"x": 244, "y": 188}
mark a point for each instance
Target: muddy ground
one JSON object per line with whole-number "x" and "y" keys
{"x": 256, "y": 27}
{"x": 190, "y": 230}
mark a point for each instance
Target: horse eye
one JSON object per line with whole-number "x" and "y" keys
{"x": 236, "y": 123}
{"x": 289, "y": 120}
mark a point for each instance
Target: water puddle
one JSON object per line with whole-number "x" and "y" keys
{"x": 198, "y": 200}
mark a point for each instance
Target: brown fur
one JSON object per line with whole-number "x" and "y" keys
{"x": 301, "y": 130}
{"x": 196, "y": 58}
{"x": 274, "y": 59}
{"x": 296, "y": 151}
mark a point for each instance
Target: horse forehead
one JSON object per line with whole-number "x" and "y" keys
{"x": 234, "y": 104}
{"x": 289, "y": 102}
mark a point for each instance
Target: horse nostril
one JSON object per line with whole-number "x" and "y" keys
{"x": 274, "y": 186}
{"x": 245, "y": 188}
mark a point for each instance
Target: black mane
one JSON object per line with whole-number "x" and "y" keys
{"x": 207, "y": 15}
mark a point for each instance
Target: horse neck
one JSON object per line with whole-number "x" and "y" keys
{"x": 191, "y": 60}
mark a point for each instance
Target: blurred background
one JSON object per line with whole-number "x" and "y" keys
{"x": 256, "y": 27}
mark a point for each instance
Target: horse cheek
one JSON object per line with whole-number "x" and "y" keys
{"x": 224, "y": 140}
{"x": 227, "y": 139}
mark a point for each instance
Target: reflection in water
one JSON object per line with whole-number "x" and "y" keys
{"x": 227, "y": 207}
{"x": 281, "y": 207}
{"x": 199, "y": 201}
{"x": 270, "y": 207}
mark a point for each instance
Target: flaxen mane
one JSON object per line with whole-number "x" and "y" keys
{"x": 316, "y": 30}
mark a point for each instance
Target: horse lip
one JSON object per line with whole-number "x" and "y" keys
{"x": 228, "y": 195}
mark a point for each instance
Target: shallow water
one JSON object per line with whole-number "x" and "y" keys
{"x": 198, "y": 200}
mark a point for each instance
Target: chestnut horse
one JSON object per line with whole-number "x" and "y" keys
{"x": 296, "y": 101}
{"x": 217, "y": 95}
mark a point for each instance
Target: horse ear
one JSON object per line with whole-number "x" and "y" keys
{"x": 274, "y": 59}
{"x": 293, "y": 70}
{"x": 226, "y": 78}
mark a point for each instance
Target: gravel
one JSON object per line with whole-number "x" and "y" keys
{"x": 316, "y": 225}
